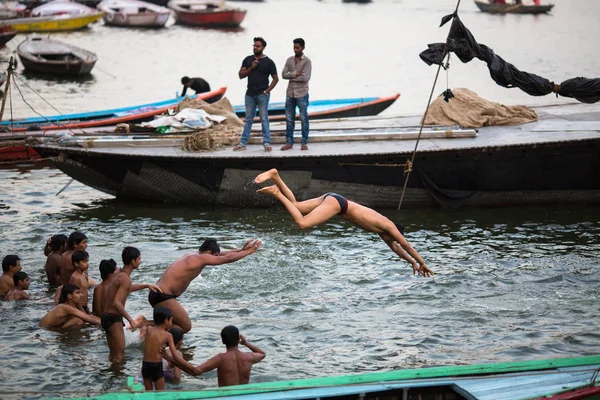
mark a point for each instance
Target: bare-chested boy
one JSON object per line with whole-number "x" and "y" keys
{"x": 156, "y": 338}
{"x": 11, "y": 264}
{"x": 77, "y": 241}
{"x": 313, "y": 212}
{"x": 21, "y": 281}
{"x": 58, "y": 245}
{"x": 81, "y": 264}
{"x": 233, "y": 366}
{"x": 107, "y": 269}
{"x": 66, "y": 314}
{"x": 178, "y": 276}
{"x": 119, "y": 287}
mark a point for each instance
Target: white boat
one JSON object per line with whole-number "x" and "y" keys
{"x": 133, "y": 13}
{"x": 62, "y": 7}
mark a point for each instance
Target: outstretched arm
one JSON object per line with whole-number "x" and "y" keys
{"x": 186, "y": 367}
{"x": 120, "y": 297}
{"x": 140, "y": 286}
{"x": 230, "y": 256}
{"x": 82, "y": 315}
{"x": 402, "y": 248}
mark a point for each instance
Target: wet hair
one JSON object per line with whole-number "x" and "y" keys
{"x": 185, "y": 79}
{"x": 177, "y": 334}
{"x": 107, "y": 267}
{"x": 129, "y": 254}
{"x": 19, "y": 276}
{"x": 9, "y": 261}
{"x": 400, "y": 227}
{"x": 75, "y": 238}
{"x": 161, "y": 314}
{"x": 58, "y": 241}
{"x": 299, "y": 41}
{"x": 210, "y": 245}
{"x": 66, "y": 291}
{"x": 230, "y": 335}
{"x": 259, "y": 39}
{"x": 79, "y": 256}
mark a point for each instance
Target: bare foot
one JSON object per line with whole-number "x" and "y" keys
{"x": 272, "y": 190}
{"x": 265, "y": 176}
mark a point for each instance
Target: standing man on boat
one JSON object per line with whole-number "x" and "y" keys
{"x": 297, "y": 70}
{"x": 198, "y": 85}
{"x": 257, "y": 69}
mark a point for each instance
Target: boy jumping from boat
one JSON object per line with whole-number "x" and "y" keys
{"x": 315, "y": 211}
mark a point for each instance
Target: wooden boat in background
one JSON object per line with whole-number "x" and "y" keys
{"x": 513, "y": 8}
{"x": 56, "y": 16}
{"x": 206, "y": 13}
{"x": 7, "y": 33}
{"x": 133, "y": 13}
{"x": 39, "y": 54}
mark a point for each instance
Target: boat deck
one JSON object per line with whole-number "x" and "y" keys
{"x": 563, "y": 123}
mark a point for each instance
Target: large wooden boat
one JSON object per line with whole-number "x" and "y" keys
{"x": 557, "y": 379}
{"x": 554, "y": 160}
{"x": 133, "y": 13}
{"x": 318, "y": 109}
{"x": 494, "y": 8}
{"x": 7, "y": 33}
{"x": 206, "y": 13}
{"x": 39, "y": 54}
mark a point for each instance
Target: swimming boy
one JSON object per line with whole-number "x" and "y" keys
{"x": 171, "y": 370}
{"x": 313, "y": 212}
{"x": 21, "y": 281}
{"x": 11, "y": 264}
{"x": 81, "y": 264}
{"x": 119, "y": 287}
{"x": 233, "y": 366}
{"x": 156, "y": 338}
{"x": 107, "y": 269}
{"x": 178, "y": 276}
{"x": 58, "y": 245}
{"x": 77, "y": 241}
{"x": 66, "y": 314}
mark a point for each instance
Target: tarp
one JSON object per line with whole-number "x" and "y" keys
{"x": 461, "y": 42}
{"x": 467, "y": 109}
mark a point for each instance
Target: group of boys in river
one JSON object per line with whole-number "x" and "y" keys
{"x": 68, "y": 262}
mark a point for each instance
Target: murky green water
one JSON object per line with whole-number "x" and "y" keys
{"x": 510, "y": 284}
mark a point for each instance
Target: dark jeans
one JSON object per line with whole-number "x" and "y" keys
{"x": 290, "y": 115}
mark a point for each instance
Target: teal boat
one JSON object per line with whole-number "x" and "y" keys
{"x": 558, "y": 379}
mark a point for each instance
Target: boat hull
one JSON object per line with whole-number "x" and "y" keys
{"x": 52, "y": 24}
{"x": 142, "y": 20}
{"x": 66, "y": 69}
{"x": 228, "y": 18}
{"x": 513, "y": 8}
{"x": 567, "y": 172}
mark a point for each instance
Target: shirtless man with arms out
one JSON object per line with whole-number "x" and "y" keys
{"x": 178, "y": 276}
{"x": 67, "y": 314}
{"x": 119, "y": 287}
{"x": 313, "y": 212}
{"x": 11, "y": 264}
{"x": 233, "y": 366}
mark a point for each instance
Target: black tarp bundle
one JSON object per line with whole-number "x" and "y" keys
{"x": 461, "y": 42}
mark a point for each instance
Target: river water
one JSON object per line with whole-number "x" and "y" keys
{"x": 510, "y": 284}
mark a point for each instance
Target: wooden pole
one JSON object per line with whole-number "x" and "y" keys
{"x": 7, "y": 87}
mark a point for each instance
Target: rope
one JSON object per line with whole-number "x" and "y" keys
{"x": 409, "y": 163}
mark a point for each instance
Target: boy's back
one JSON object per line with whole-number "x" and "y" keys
{"x": 99, "y": 298}
{"x": 234, "y": 367}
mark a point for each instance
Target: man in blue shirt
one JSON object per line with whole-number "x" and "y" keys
{"x": 257, "y": 69}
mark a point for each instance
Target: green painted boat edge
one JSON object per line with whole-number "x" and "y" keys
{"x": 373, "y": 377}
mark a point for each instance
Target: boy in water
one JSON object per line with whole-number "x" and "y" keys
{"x": 313, "y": 212}
{"x": 81, "y": 263}
{"x": 58, "y": 245}
{"x": 172, "y": 371}
{"x": 119, "y": 287}
{"x": 67, "y": 314}
{"x": 77, "y": 242}
{"x": 21, "y": 281}
{"x": 107, "y": 268}
{"x": 156, "y": 338}
{"x": 233, "y": 366}
{"x": 11, "y": 264}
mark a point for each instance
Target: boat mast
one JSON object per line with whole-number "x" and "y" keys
{"x": 9, "y": 72}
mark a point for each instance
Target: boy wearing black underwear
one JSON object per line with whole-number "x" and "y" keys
{"x": 156, "y": 338}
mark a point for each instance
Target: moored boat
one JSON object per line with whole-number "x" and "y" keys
{"x": 553, "y": 160}
{"x": 7, "y": 33}
{"x": 206, "y": 13}
{"x": 534, "y": 379}
{"x": 496, "y": 8}
{"x": 55, "y": 16}
{"x": 133, "y": 13}
{"x": 39, "y": 54}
